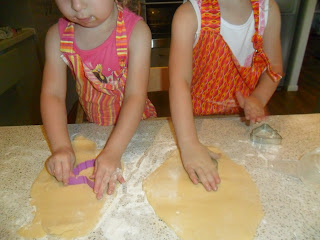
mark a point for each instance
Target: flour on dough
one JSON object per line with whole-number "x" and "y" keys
{"x": 64, "y": 211}
{"x": 233, "y": 212}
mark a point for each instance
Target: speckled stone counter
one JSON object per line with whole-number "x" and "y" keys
{"x": 292, "y": 209}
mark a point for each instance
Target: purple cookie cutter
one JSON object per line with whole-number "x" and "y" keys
{"x": 82, "y": 179}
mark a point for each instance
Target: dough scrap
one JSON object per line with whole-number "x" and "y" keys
{"x": 233, "y": 212}
{"x": 64, "y": 211}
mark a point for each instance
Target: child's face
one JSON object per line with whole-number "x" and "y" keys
{"x": 87, "y": 13}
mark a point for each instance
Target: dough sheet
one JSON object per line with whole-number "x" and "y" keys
{"x": 64, "y": 211}
{"x": 233, "y": 212}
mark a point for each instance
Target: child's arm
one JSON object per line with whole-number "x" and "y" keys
{"x": 53, "y": 109}
{"x": 108, "y": 161}
{"x": 255, "y": 103}
{"x": 195, "y": 156}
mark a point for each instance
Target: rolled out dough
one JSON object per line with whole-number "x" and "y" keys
{"x": 65, "y": 211}
{"x": 233, "y": 212}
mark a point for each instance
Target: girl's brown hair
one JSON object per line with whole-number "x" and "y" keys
{"x": 133, "y": 5}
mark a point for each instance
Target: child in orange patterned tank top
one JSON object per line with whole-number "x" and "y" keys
{"x": 225, "y": 58}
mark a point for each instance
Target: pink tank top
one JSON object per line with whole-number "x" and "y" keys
{"x": 104, "y": 58}
{"x": 101, "y": 73}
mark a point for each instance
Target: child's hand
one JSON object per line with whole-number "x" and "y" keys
{"x": 60, "y": 165}
{"x": 107, "y": 172}
{"x": 199, "y": 165}
{"x": 253, "y": 108}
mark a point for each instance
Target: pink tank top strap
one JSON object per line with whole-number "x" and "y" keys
{"x": 121, "y": 39}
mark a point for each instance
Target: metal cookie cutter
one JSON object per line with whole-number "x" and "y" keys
{"x": 265, "y": 135}
{"x": 82, "y": 179}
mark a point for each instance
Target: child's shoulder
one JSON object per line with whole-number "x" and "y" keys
{"x": 52, "y": 46}
{"x": 53, "y": 32}
{"x": 130, "y": 18}
{"x": 186, "y": 15}
{"x": 134, "y": 22}
{"x": 273, "y": 7}
{"x": 57, "y": 29}
{"x": 185, "y": 9}
{"x": 274, "y": 17}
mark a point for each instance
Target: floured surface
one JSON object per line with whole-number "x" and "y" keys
{"x": 291, "y": 208}
{"x": 65, "y": 211}
{"x": 233, "y": 212}
{"x": 130, "y": 216}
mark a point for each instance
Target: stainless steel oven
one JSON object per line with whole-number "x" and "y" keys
{"x": 158, "y": 14}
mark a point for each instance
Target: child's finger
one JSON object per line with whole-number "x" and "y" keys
{"x": 214, "y": 155}
{"x": 120, "y": 178}
{"x": 258, "y": 119}
{"x": 240, "y": 98}
{"x": 112, "y": 185}
{"x": 192, "y": 175}
{"x": 117, "y": 175}
{"x": 213, "y": 184}
{"x": 203, "y": 178}
{"x": 65, "y": 172}
{"x": 71, "y": 174}
{"x": 105, "y": 183}
{"x": 211, "y": 181}
{"x": 58, "y": 171}
{"x": 50, "y": 168}
{"x": 97, "y": 181}
{"x": 94, "y": 170}
{"x": 217, "y": 179}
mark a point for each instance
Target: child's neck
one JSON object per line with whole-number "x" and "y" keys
{"x": 89, "y": 38}
{"x": 235, "y": 12}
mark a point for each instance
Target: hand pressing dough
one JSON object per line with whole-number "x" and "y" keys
{"x": 65, "y": 211}
{"x": 233, "y": 212}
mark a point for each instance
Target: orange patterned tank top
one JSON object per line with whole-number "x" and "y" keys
{"x": 217, "y": 75}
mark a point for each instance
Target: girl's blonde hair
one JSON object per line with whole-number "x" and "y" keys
{"x": 133, "y": 5}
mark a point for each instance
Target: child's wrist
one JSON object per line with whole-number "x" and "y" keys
{"x": 261, "y": 100}
{"x": 189, "y": 143}
{"x": 114, "y": 153}
{"x": 62, "y": 149}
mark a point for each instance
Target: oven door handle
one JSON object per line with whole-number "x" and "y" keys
{"x": 160, "y": 3}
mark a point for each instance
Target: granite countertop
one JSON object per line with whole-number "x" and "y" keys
{"x": 292, "y": 209}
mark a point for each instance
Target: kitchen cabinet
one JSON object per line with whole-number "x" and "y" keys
{"x": 20, "y": 80}
{"x": 289, "y": 10}
{"x": 300, "y": 40}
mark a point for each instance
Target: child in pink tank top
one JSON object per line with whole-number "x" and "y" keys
{"x": 107, "y": 47}
{"x": 224, "y": 59}
{"x": 103, "y": 59}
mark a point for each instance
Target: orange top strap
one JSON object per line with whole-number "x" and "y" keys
{"x": 211, "y": 15}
